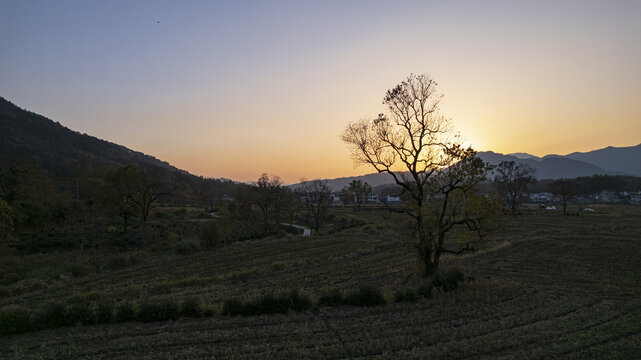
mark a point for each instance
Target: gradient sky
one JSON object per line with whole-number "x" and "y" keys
{"x": 237, "y": 88}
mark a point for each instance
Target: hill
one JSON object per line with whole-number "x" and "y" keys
{"x": 26, "y": 137}
{"x": 620, "y": 159}
{"x": 57, "y": 148}
{"x": 553, "y": 167}
{"x": 550, "y": 167}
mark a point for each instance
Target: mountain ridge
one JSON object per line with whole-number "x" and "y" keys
{"x": 26, "y": 134}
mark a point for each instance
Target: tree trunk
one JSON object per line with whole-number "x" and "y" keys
{"x": 423, "y": 247}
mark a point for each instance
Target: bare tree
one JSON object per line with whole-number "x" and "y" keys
{"x": 565, "y": 189}
{"x": 150, "y": 184}
{"x": 265, "y": 195}
{"x": 512, "y": 180}
{"x": 315, "y": 196}
{"x": 415, "y": 144}
{"x": 289, "y": 204}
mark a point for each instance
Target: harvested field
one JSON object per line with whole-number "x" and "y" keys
{"x": 553, "y": 287}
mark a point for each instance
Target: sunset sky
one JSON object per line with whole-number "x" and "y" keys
{"x": 237, "y": 88}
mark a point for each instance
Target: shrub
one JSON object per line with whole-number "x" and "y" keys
{"x": 81, "y": 313}
{"x": 165, "y": 310}
{"x": 14, "y": 320}
{"x": 332, "y": 297}
{"x": 405, "y": 295}
{"x": 448, "y": 280}
{"x": 232, "y": 307}
{"x": 425, "y": 289}
{"x": 208, "y": 310}
{"x": 125, "y": 312}
{"x": 191, "y": 307}
{"x": 268, "y": 304}
{"x": 52, "y": 315}
{"x": 299, "y": 302}
{"x": 366, "y": 295}
{"x": 104, "y": 312}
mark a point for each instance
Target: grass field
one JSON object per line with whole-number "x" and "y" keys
{"x": 550, "y": 286}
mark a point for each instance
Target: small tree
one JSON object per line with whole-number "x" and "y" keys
{"x": 289, "y": 203}
{"x": 346, "y": 196}
{"x": 315, "y": 196}
{"x": 358, "y": 191}
{"x": 512, "y": 180}
{"x": 265, "y": 195}
{"x": 150, "y": 184}
{"x": 415, "y": 144}
{"x": 565, "y": 189}
{"x": 119, "y": 186}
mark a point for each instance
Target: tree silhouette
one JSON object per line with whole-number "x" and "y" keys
{"x": 512, "y": 180}
{"x": 415, "y": 144}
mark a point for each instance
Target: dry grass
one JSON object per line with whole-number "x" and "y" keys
{"x": 554, "y": 287}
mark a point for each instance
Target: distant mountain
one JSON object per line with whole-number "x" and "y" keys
{"x": 521, "y": 155}
{"x": 553, "y": 167}
{"x": 549, "y": 167}
{"x": 57, "y": 148}
{"x": 373, "y": 180}
{"x": 615, "y": 159}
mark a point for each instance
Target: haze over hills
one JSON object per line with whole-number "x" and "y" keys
{"x": 522, "y": 155}
{"x": 621, "y": 159}
{"x": 614, "y": 161}
{"x": 548, "y": 168}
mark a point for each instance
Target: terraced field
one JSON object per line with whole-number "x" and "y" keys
{"x": 551, "y": 287}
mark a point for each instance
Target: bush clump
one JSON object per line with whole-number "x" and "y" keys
{"x": 332, "y": 297}
{"x": 268, "y": 304}
{"x": 299, "y": 301}
{"x": 52, "y": 315}
{"x": 104, "y": 312}
{"x": 448, "y": 280}
{"x": 125, "y": 312}
{"x": 366, "y": 295}
{"x": 81, "y": 313}
{"x": 232, "y": 307}
{"x": 425, "y": 289}
{"x": 406, "y": 295}
{"x": 192, "y": 307}
{"x": 165, "y": 310}
{"x": 14, "y": 320}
